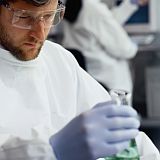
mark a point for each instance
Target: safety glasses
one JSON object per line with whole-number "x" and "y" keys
{"x": 25, "y": 19}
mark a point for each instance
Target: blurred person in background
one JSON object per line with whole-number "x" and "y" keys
{"x": 124, "y": 9}
{"x": 91, "y": 27}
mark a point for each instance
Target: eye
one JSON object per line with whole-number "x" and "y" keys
{"x": 23, "y": 16}
{"x": 49, "y": 16}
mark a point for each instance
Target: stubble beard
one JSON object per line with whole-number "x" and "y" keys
{"x": 7, "y": 42}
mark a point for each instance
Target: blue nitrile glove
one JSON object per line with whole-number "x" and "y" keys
{"x": 100, "y": 132}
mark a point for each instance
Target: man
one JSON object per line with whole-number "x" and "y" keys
{"x": 46, "y": 98}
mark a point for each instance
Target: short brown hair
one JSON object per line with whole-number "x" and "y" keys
{"x": 34, "y": 2}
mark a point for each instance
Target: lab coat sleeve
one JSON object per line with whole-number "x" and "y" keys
{"x": 89, "y": 91}
{"x": 146, "y": 148}
{"x": 122, "y": 12}
{"x": 14, "y": 148}
{"x": 108, "y": 32}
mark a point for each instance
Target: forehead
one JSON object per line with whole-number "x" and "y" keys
{"x": 20, "y": 4}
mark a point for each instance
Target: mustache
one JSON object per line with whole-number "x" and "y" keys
{"x": 34, "y": 40}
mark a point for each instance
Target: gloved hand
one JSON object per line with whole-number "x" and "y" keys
{"x": 100, "y": 132}
{"x": 139, "y": 2}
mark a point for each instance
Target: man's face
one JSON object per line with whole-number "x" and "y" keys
{"x": 24, "y": 44}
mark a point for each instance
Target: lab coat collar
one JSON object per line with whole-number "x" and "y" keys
{"x": 6, "y": 56}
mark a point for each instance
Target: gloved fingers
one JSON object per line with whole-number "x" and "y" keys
{"x": 111, "y": 110}
{"x": 117, "y": 147}
{"x": 121, "y": 135}
{"x": 105, "y": 149}
{"x": 122, "y": 122}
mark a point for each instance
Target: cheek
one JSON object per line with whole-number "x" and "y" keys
{"x": 16, "y": 33}
{"x": 17, "y": 36}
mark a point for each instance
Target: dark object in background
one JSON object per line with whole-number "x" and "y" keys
{"x": 79, "y": 57}
{"x": 72, "y": 11}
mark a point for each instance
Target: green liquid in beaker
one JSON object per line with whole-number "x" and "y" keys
{"x": 131, "y": 153}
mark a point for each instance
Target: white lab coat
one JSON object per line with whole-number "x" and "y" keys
{"x": 103, "y": 42}
{"x": 38, "y": 98}
{"x": 122, "y": 12}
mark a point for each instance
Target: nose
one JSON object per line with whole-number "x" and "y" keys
{"x": 38, "y": 31}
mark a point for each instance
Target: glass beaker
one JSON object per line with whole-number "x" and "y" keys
{"x": 131, "y": 153}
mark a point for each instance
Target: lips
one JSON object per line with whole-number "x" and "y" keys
{"x": 31, "y": 45}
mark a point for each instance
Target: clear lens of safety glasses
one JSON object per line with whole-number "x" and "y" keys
{"x": 24, "y": 19}
{"x": 59, "y": 15}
